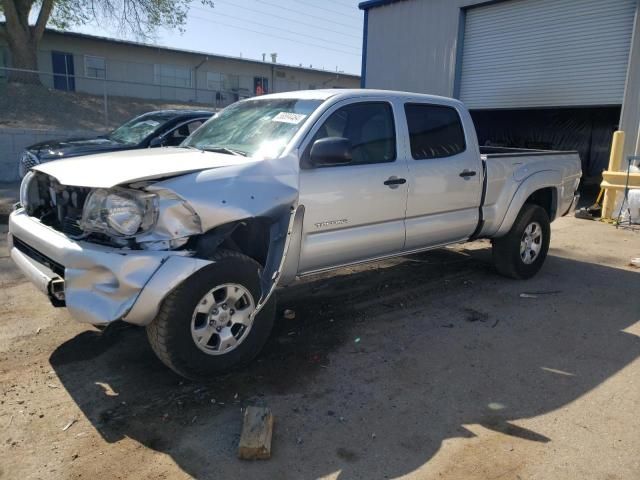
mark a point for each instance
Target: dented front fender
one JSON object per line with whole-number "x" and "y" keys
{"x": 266, "y": 189}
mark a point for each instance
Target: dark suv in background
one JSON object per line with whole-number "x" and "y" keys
{"x": 154, "y": 129}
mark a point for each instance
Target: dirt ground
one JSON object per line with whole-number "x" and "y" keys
{"x": 423, "y": 367}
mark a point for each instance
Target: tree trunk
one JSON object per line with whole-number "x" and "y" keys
{"x": 23, "y": 39}
{"x": 24, "y": 57}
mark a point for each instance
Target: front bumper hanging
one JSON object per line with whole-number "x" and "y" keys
{"x": 97, "y": 284}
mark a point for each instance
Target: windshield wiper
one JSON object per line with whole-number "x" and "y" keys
{"x": 229, "y": 151}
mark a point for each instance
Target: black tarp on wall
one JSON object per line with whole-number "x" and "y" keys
{"x": 587, "y": 130}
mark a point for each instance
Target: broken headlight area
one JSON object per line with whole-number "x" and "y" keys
{"x": 119, "y": 212}
{"x": 121, "y": 217}
{"x": 24, "y": 189}
{"x": 176, "y": 222}
{"x": 57, "y": 206}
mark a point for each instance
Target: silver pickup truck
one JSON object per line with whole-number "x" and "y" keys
{"x": 192, "y": 241}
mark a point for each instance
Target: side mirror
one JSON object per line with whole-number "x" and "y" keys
{"x": 330, "y": 151}
{"x": 156, "y": 142}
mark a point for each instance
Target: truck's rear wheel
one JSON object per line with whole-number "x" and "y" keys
{"x": 206, "y": 325}
{"x": 521, "y": 252}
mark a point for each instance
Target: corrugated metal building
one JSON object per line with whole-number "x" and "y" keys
{"x": 537, "y": 73}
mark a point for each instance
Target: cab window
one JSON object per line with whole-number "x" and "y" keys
{"x": 435, "y": 131}
{"x": 368, "y": 126}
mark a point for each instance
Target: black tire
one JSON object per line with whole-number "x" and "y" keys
{"x": 506, "y": 250}
{"x": 170, "y": 332}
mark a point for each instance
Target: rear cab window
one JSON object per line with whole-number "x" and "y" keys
{"x": 176, "y": 136}
{"x": 435, "y": 131}
{"x": 193, "y": 126}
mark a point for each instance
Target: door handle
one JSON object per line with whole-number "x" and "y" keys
{"x": 467, "y": 173}
{"x": 393, "y": 182}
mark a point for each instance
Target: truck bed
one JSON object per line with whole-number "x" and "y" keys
{"x": 506, "y": 169}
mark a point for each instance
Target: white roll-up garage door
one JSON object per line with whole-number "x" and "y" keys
{"x": 546, "y": 53}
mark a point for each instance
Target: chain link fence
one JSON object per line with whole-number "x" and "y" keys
{"x": 75, "y": 94}
{"x": 107, "y": 92}
{"x": 207, "y": 83}
{"x": 59, "y": 106}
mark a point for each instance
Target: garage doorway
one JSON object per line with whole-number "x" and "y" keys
{"x": 544, "y": 53}
{"x": 588, "y": 130}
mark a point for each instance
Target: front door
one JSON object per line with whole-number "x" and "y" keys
{"x": 354, "y": 212}
{"x": 445, "y": 179}
{"x": 63, "y": 72}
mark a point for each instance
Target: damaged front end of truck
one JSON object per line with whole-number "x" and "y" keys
{"x": 111, "y": 245}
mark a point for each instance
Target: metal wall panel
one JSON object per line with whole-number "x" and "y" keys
{"x": 630, "y": 117}
{"x": 411, "y": 46}
{"x": 544, "y": 53}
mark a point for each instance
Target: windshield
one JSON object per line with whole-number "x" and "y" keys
{"x": 136, "y": 130}
{"x": 253, "y": 127}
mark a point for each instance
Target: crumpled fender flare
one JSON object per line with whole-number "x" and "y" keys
{"x": 283, "y": 256}
{"x": 284, "y": 233}
{"x": 171, "y": 273}
{"x": 176, "y": 269}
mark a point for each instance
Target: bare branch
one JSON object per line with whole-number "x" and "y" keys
{"x": 43, "y": 18}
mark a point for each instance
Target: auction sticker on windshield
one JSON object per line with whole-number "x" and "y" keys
{"x": 288, "y": 117}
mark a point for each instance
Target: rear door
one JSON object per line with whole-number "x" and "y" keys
{"x": 444, "y": 176}
{"x": 355, "y": 212}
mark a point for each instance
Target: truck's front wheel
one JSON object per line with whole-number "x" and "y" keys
{"x": 521, "y": 252}
{"x": 206, "y": 325}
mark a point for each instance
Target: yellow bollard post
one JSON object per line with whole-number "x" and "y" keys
{"x": 615, "y": 162}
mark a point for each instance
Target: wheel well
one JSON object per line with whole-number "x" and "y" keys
{"x": 250, "y": 237}
{"x": 546, "y": 198}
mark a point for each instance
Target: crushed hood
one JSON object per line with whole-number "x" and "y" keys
{"x": 115, "y": 168}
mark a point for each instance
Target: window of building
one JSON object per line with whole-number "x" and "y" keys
{"x": 215, "y": 81}
{"x": 245, "y": 84}
{"x": 95, "y": 67}
{"x": 370, "y": 129}
{"x": 172, "y": 76}
{"x": 231, "y": 82}
{"x": 260, "y": 85}
{"x": 220, "y": 82}
{"x": 435, "y": 131}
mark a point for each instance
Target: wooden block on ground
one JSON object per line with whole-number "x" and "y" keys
{"x": 255, "y": 440}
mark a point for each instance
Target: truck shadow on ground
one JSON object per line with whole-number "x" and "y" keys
{"x": 379, "y": 367}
